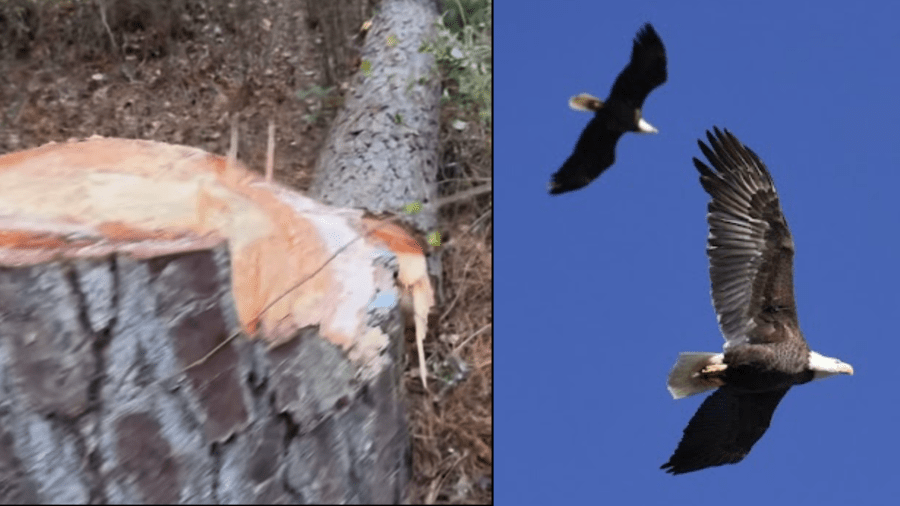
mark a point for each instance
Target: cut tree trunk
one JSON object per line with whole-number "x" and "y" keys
{"x": 381, "y": 152}
{"x": 174, "y": 329}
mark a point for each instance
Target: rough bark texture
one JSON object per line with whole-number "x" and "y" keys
{"x": 381, "y": 153}
{"x": 95, "y": 405}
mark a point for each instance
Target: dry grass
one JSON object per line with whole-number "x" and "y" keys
{"x": 453, "y": 426}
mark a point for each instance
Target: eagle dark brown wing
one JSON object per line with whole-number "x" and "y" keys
{"x": 724, "y": 429}
{"x": 645, "y": 71}
{"x": 594, "y": 153}
{"x": 750, "y": 247}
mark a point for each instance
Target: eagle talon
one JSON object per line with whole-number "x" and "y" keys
{"x": 713, "y": 369}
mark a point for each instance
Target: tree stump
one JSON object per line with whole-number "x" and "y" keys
{"x": 127, "y": 268}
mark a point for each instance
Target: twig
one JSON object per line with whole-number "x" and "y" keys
{"x": 459, "y": 294}
{"x": 435, "y": 488}
{"x": 466, "y": 340}
{"x": 102, "y": 6}
{"x": 233, "y": 148}
{"x": 213, "y": 352}
{"x": 463, "y": 195}
{"x": 270, "y": 152}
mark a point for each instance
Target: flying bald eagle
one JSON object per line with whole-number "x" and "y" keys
{"x": 596, "y": 148}
{"x": 751, "y": 267}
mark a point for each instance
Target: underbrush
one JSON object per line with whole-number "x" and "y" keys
{"x": 453, "y": 426}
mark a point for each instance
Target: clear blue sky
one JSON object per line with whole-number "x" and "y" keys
{"x": 597, "y": 291}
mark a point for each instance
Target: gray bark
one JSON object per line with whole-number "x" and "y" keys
{"x": 96, "y": 405}
{"x": 381, "y": 152}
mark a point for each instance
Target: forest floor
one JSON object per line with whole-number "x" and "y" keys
{"x": 180, "y": 78}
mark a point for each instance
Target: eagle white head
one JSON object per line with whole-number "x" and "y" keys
{"x": 645, "y": 127}
{"x": 824, "y": 367}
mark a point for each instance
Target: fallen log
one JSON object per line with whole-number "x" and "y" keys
{"x": 381, "y": 152}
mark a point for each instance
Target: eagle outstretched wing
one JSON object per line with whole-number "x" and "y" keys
{"x": 724, "y": 429}
{"x": 594, "y": 153}
{"x": 750, "y": 247}
{"x": 645, "y": 71}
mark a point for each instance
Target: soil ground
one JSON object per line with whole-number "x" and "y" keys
{"x": 177, "y": 71}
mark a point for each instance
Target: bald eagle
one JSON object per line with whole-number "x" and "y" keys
{"x": 596, "y": 148}
{"x": 751, "y": 262}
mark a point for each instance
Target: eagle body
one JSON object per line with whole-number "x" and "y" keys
{"x": 751, "y": 271}
{"x": 755, "y": 369}
{"x": 618, "y": 116}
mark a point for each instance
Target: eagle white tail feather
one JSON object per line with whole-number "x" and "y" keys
{"x": 684, "y": 379}
{"x": 585, "y": 102}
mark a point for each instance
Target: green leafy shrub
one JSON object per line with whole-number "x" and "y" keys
{"x": 462, "y": 48}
